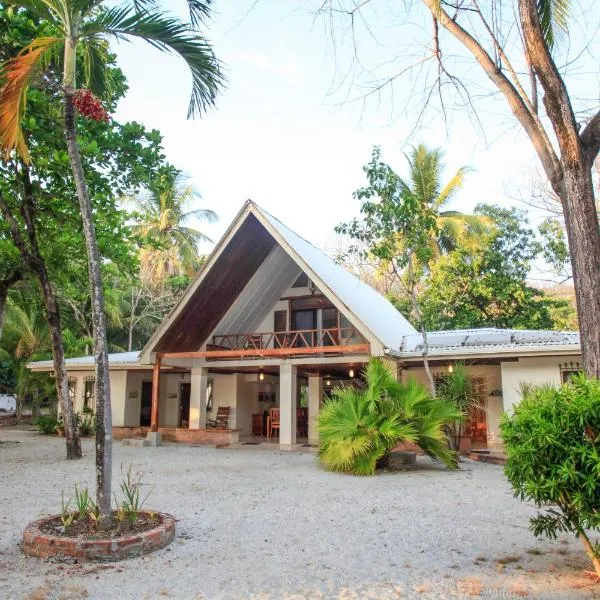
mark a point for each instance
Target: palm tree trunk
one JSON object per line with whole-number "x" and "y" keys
{"x": 102, "y": 384}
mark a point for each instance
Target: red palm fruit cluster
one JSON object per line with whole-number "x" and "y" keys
{"x": 89, "y": 106}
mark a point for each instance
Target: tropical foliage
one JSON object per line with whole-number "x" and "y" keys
{"x": 162, "y": 214}
{"x": 457, "y": 389}
{"x": 552, "y": 443}
{"x": 358, "y": 427}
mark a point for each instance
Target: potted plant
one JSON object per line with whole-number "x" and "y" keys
{"x": 457, "y": 388}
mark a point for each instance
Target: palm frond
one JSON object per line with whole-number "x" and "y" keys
{"x": 94, "y": 52}
{"x": 452, "y": 187}
{"x": 554, "y": 19}
{"x": 16, "y": 74}
{"x": 167, "y": 34}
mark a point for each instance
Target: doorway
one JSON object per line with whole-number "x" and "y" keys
{"x": 146, "y": 404}
{"x": 185, "y": 391}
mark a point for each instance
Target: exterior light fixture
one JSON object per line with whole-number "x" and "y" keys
{"x": 351, "y": 373}
{"x": 450, "y": 368}
{"x": 261, "y": 376}
{"x": 328, "y": 382}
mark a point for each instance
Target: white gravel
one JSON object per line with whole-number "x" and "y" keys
{"x": 270, "y": 525}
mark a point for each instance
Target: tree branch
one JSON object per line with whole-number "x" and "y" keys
{"x": 590, "y": 138}
{"x": 556, "y": 98}
{"x": 516, "y": 103}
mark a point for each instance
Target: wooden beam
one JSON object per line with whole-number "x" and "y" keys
{"x": 155, "y": 392}
{"x": 269, "y": 352}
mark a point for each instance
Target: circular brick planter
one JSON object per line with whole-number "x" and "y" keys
{"x": 45, "y": 545}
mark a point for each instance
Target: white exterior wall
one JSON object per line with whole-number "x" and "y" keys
{"x": 224, "y": 393}
{"x": 535, "y": 370}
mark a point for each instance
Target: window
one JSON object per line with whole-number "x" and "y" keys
{"x": 89, "y": 395}
{"x": 302, "y": 281}
{"x": 72, "y": 389}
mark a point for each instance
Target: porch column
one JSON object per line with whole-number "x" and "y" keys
{"x": 287, "y": 404}
{"x": 198, "y": 387}
{"x": 155, "y": 394}
{"x": 315, "y": 396}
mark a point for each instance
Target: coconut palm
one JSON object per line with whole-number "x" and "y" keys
{"x": 81, "y": 29}
{"x": 359, "y": 427}
{"x": 170, "y": 246}
{"x": 424, "y": 186}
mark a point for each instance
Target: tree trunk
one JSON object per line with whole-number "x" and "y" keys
{"x": 73, "y": 439}
{"x": 33, "y": 258}
{"x": 3, "y": 297}
{"x": 102, "y": 384}
{"x": 581, "y": 222}
{"x": 589, "y": 549}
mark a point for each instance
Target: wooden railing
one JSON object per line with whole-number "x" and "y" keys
{"x": 309, "y": 338}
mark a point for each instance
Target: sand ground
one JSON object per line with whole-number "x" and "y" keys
{"x": 269, "y": 525}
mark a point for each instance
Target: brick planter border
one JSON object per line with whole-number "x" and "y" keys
{"x": 45, "y": 545}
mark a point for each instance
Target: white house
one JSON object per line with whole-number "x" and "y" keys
{"x": 272, "y": 322}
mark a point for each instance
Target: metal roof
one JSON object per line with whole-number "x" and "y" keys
{"x": 114, "y": 359}
{"x": 376, "y": 312}
{"x": 488, "y": 340}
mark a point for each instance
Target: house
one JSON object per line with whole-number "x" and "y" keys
{"x": 272, "y": 322}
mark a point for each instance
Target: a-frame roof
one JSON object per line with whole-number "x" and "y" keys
{"x": 250, "y": 238}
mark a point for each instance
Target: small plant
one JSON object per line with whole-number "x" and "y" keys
{"x": 93, "y": 513}
{"x": 46, "y": 424}
{"x": 67, "y": 516}
{"x": 82, "y": 502}
{"x": 131, "y": 488}
{"x": 552, "y": 444}
{"x": 87, "y": 423}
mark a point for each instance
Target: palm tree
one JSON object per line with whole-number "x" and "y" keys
{"x": 82, "y": 30}
{"x": 424, "y": 186}
{"x": 359, "y": 427}
{"x": 170, "y": 247}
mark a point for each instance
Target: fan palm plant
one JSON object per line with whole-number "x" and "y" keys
{"x": 170, "y": 246}
{"x": 82, "y": 30}
{"x": 358, "y": 428}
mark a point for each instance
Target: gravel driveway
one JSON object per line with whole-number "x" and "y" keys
{"x": 271, "y": 525}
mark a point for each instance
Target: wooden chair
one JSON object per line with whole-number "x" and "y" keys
{"x": 274, "y": 421}
{"x": 222, "y": 419}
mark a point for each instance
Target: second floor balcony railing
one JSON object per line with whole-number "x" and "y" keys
{"x": 308, "y": 338}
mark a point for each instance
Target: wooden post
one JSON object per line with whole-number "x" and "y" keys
{"x": 155, "y": 392}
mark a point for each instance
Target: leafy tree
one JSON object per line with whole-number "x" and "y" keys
{"x": 404, "y": 227}
{"x": 359, "y": 427}
{"x": 521, "y": 59}
{"x": 170, "y": 246}
{"x": 552, "y": 444}
{"x": 486, "y": 286}
{"x": 83, "y": 28}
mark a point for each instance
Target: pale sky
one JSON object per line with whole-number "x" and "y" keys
{"x": 283, "y": 134}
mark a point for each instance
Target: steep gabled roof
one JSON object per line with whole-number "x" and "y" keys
{"x": 249, "y": 239}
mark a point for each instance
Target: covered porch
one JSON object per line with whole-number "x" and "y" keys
{"x": 257, "y": 402}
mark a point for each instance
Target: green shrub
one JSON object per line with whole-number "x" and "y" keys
{"x": 87, "y": 423}
{"x": 359, "y": 427}
{"x": 46, "y": 424}
{"x": 552, "y": 444}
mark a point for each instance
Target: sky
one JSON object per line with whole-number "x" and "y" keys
{"x": 285, "y": 132}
